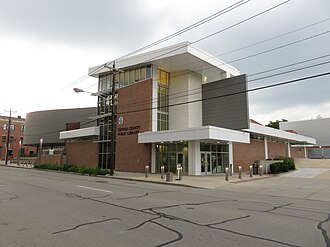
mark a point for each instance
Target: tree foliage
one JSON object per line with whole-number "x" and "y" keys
{"x": 276, "y": 124}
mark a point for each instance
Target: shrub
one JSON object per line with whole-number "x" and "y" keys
{"x": 285, "y": 167}
{"x": 279, "y": 167}
{"x": 66, "y": 167}
{"x": 273, "y": 168}
{"x": 46, "y": 166}
{"x": 74, "y": 168}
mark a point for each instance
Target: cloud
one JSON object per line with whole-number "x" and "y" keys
{"x": 52, "y": 43}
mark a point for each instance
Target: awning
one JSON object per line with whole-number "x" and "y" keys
{"x": 280, "y": 134}
{"x": 202, "y": 134}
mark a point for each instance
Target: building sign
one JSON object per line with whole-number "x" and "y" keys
{"x": 126, "y": 131}
{"x": 120, "y": 120}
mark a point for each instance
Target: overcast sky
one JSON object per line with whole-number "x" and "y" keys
{"x": 46, "y": 45}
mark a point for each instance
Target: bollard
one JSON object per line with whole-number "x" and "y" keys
{"x": 162, "y": 169}
{"x": 251, "y": 171}
{"x": 146, "y": 170}
{"x": 240, "y": 172}
{"x": 231, "y": 169}
{"x": 179, "y": 171}
{"x": 260, "y": 170}
{"x": 227, "y": 173}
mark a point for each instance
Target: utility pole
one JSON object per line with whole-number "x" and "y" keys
{"x": 112, "y": 165}
{"x": 8, "y": 136}
{"x": 113, "y": 70}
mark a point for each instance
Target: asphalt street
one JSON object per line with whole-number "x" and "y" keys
{"x": 40, "y": 208}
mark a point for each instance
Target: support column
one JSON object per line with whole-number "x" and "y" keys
{"x": 231, "y": 156}
{"x": 194, "y": 158}
{"x": 289, "y": 150}
{"x": 305, "y": 150}
{"x": 266, "y": 147}
{"x": 153, "y": 158}
{"x": 154, "y": 97}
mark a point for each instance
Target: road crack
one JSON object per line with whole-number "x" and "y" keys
{"x": 85, "y": 224}
{"x": 324, "y": 232}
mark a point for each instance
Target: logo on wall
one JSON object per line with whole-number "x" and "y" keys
{"x": 120, "y": 120}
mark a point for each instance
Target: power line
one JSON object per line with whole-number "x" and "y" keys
{"x": 181, "y": 31}
{"x": 217, "y": 32}
{"x": 240, "y": 22}
{"x": 235, "y": 93}
{"x": 288, "y": 65}
{"x": 220, "y": 31}
{"x": 274, "y": 37}
{"x": 210, "y": 98}
{"x": 186, "y": 29}
{"x": 145, "y": 102}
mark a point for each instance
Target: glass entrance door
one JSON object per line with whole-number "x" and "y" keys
{"x": 181, "y": 161}
{"x": 206, "y": 166}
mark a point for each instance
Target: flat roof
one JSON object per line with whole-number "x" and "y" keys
{"x": 271, "y": 132}
{"x": 202, "y": 134}
{"x": 178, "y": 57}
{"x": 69, "y": 134}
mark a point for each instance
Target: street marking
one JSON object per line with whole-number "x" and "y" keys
{"x": 2, "y": 185}
{"x": 90, "y": 188}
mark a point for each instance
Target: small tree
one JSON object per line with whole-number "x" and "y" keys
{"x": 276, "y": 124}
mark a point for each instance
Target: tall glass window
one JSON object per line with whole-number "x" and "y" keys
{"x": 163, "y": 100}
{"x": 105, "y": 104}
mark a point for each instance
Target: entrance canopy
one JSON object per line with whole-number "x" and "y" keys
{"x": 203, "y": 134}
{"x": 272, "y": 133}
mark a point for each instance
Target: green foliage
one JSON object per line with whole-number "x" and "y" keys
{"x": 285, "y": 167}
{"x": 276, "y": 124}
{"x": 47, "y": 166}
{"x": 282, "y": 166}
{"x": 273, "y": 168}
{"x": 73, "y": 168}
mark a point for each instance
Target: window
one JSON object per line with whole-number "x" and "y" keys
{"x": 22, "y": 128}
{"x": 12, "y": 127}
{"x": 4, "y": 127}
{"x": 11, "y": 140}
{"x": 163, "y": 100}
{"x": 4, "y": 138}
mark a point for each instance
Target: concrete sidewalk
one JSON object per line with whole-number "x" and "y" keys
{"x": 210, "y": 181}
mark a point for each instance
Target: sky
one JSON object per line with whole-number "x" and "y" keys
{"x": 47, "y": 45}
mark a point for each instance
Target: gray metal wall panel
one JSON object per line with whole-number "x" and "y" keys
{"x": 225, "y": 103}
{"x": 316, "y": 128}
{"x": 319, "y": 153}
{"x": 48, "y": 124}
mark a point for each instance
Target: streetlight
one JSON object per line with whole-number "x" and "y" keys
{"x": 40, "y": 149}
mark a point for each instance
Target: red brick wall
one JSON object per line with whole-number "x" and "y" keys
{"x": 277, "y": 149}
{"x": 131, "y": 156}
{"x": 17, "y": 134}
{"x": 51, "y": 159}
{"x": 84, "y": 153}
{"x": 298, "y": 152}
{"x": 246, "y": 154}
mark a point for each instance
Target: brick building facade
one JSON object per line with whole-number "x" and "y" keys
{"x": 16, "y": 134}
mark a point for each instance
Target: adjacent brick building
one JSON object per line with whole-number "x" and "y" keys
{"x": 16, "y": 134}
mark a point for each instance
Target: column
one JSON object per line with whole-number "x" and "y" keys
{"x": 231, "y": 156}
{"x": 266, "y": 147}
{"x": 194, "y": 158}
{"x": 289, "y": 150}
{"x": 153, "y": 158}
{"x": 305, "y": 150}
